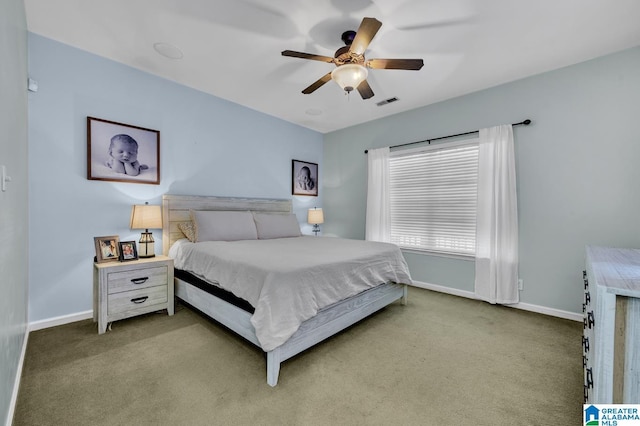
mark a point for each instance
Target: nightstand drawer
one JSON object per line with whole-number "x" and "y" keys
{"x": 136, "y": 299}
{"x": 136, "y": 279}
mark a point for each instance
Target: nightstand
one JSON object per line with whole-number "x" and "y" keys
{"x": 126, "y": 289}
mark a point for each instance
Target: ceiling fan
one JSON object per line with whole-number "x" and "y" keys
{"x": 351, "y": 65}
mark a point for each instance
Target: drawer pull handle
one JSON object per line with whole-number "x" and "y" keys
{"x": 591, "y": 319}
{"x": 589, "y": 377}
{"x": 586, "y": 284}
{"x": 139, "y": 300}
{"x": 585, "y": 344}
{"x": 584, "y": 273}
{"x": 139, "y": 280}
{"x": 587, "y": 297}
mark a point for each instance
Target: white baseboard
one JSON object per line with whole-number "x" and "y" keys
{"x": 16, "y": 383}
{"x": 443, "y": 289}
{"x": 65, "y": 319}
{"x": 573, "y": 316}
{"x": 524, "y": 306}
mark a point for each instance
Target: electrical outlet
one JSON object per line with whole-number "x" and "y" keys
{"x": 520, "y": 284}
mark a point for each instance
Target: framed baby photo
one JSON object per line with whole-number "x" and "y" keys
{"x": 107, "y": 248}
{"x": 120, "y": 152}
{"x": 304, "y": 178}
{"x": 128, "y": 251}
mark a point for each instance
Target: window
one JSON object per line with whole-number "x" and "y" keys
{"x": 433, "y": 194}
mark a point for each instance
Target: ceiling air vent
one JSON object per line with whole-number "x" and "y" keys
{"x": 387, "y": 101}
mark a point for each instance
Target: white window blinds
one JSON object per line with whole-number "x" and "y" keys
{"x": 433, "y": 193}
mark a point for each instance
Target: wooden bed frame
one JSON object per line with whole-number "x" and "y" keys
{"x": 328, "y": 321}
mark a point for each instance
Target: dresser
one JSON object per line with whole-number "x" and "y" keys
{"x": 611, "y": 338}
{"x": 126, "y": 289}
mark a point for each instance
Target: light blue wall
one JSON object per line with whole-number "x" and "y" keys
{"x": 577, "y": 170}
{"x": 13, "y": 201}
{"x": 209, "y": 146}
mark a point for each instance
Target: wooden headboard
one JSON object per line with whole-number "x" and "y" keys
{"x": 175, "y": 209}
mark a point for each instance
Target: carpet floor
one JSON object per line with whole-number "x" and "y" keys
{"x": 439, "y": 360}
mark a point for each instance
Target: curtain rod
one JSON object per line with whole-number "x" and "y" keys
{"x": 522, "y": 123}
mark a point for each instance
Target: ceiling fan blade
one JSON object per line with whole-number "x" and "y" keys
{"x": 368, "y": 29}
{"x": 365, "y": 90}
{"x": 395, "y": 64}
{"x": 303, "y": 55}
{"x": 317, "y": 84}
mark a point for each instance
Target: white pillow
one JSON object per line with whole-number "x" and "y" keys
{"x": 273, "y": 225}
{"x": 223, "y": 225}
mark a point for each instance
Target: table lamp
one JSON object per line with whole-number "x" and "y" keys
{"x": 315, "y": 218}
{"x": 146, "y": 217}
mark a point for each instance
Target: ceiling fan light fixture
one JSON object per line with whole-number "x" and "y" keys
{"x": 349, "y": 76}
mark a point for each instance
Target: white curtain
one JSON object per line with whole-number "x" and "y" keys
{"x": 378, "y": 220}
{"x": 497, "y": 218}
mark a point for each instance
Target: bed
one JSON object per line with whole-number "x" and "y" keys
{"x": 324, "y": 320}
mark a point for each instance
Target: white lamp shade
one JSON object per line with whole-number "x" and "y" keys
{"x": 349, "y": 76}
{"x": 315, "y": 216}
{"x": 146, "y": 217}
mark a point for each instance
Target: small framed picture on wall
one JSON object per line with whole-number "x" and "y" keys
{"x": 304, "y": 178}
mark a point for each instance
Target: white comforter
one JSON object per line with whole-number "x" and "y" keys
{"x": 288, "y": 280}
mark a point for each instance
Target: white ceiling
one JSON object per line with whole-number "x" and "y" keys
{"x": 231, "y": 48}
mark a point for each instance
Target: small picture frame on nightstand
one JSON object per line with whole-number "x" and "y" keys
{"x": 128, "y": 251}
{"x": 107, "y": 249}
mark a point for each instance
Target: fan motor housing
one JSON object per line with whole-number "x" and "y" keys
{"x": 344, "y": 56}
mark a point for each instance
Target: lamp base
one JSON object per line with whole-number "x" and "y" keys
{"x": 316, "y": 229}
{"x": 146, "y": 244}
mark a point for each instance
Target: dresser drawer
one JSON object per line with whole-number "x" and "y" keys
{"x": 136, "y": 299}
{"x": 136, "y": 279}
